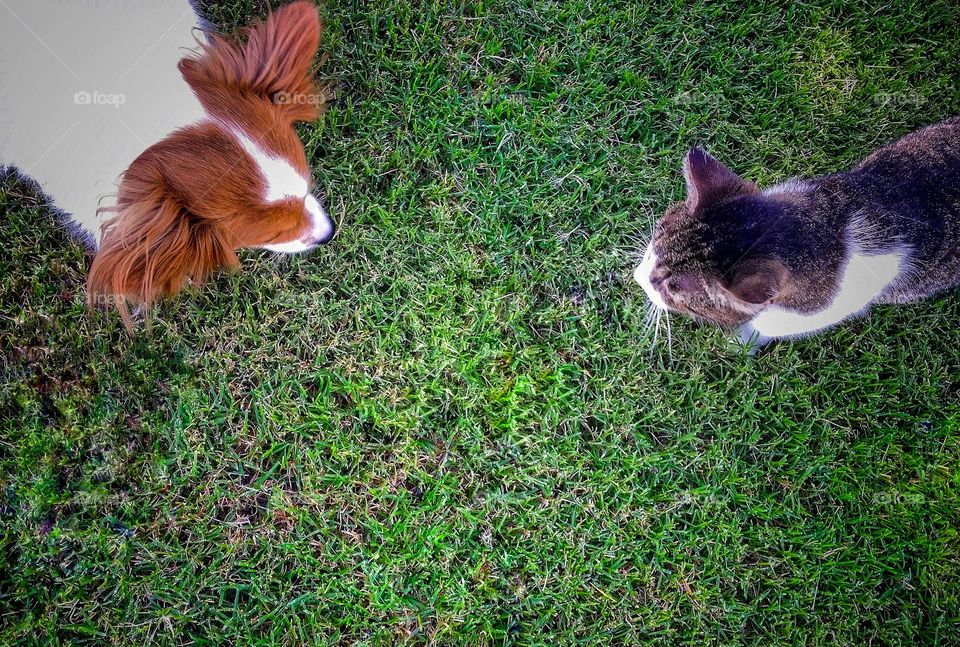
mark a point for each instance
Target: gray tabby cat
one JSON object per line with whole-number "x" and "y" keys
{"x": 797, "y": 258}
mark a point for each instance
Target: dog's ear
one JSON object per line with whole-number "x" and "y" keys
{"x": 151, "y": 248}
{"x": 272, "y": 60}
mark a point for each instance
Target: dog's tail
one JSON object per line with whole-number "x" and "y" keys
{"x": 272, "y": 60}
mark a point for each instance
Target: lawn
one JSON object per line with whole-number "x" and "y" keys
{"x": 449, "y": 426}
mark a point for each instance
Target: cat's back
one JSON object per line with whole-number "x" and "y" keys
{"x": 931, "y": 153}
{"x": 905, "y": 198}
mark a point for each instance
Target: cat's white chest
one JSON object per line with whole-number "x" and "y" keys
{"x": 864, "y": 278}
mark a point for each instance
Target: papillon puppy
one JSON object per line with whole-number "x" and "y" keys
{"x": 166, "y": 146}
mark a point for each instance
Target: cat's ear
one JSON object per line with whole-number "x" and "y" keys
{"x": 710, "y": 182}
{"x": 759, "y": 282}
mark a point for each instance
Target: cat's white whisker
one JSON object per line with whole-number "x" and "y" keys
{"x": 649, "y": 318}
{"x": 669, "y": 337}
{"x": 656, "y": 332}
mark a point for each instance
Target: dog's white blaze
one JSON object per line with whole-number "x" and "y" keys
{"x": 282, "y": 180}
{"x": 863, "y": 280}
{"x": 642, "y": 276}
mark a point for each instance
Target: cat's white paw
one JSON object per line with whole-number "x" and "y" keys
{"x": 751, "y": 339}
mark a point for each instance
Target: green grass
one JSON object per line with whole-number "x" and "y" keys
{"x": 447, "y": 427}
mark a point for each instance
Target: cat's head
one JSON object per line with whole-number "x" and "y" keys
{"x": 715, "y": 255}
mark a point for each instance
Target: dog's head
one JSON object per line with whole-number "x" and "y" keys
{"x": 238, "y": 178}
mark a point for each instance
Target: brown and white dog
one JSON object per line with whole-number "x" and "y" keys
{"x": 199, "y": 131}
